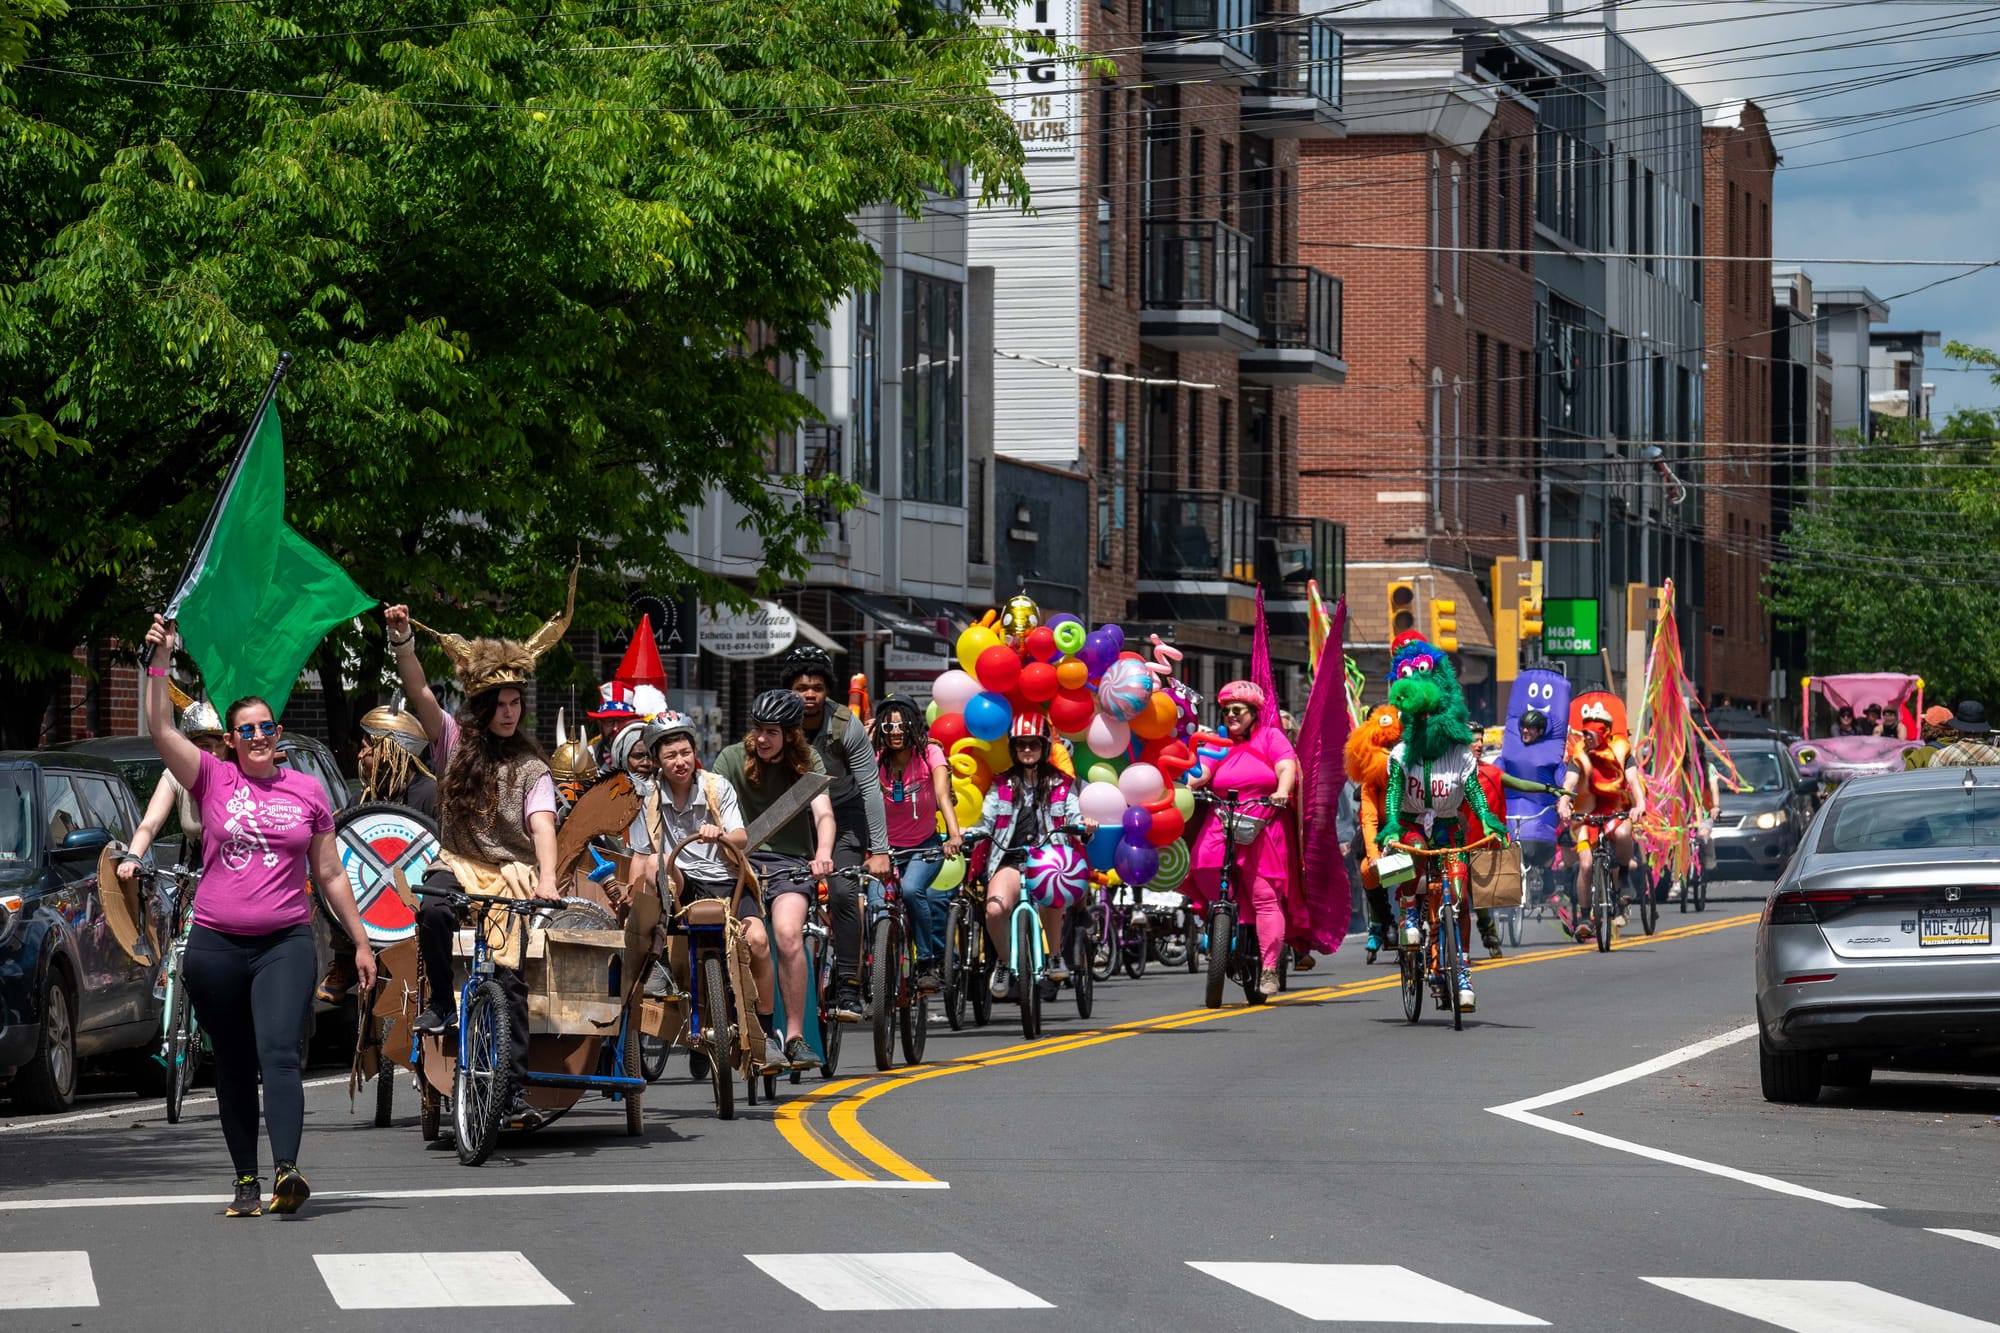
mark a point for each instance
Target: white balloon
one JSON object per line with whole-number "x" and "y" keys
{"x": 1101, "y": 803}
{"x": 953, "y": 690}
{"x": 1107, "y": 737}
{"x": 1141, "y": 784}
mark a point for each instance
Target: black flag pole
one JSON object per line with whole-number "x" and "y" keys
{"x": 228, "y": 480}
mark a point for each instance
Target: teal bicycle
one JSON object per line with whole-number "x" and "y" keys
{"x": 182, "y": 1042}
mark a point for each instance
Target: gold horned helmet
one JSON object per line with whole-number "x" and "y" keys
{"x": 573, "y": 765}
{"x": 396, "y": 740}
{"x": 488, "y": 664}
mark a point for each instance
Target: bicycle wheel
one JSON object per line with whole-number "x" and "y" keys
{"x": 181, "y": 1051}
{"x": 1649, "y": 907}
{"x": 1221, "y": 931}
{"x": 635, "y": 1098}
{"x": 430, "y": 1111}
{"x": 385, "y": 1086}
{"x": 1604, "y": 908}
{"x": 1026, "y": 979}
{"x": 483, "y": 1087}
{"x": 954, "y": 965}
{"x": 1084, "y": 979}
{"x": 1411, "y": 960}
{"x": 820, "y": 978}
{"x": 1100, "y": 930}
{"x": 1284, "y": 969}
{"x": 913, "y": 1022}
{"x": 1249, "y": 952}
{"x": 1514, "y": 918}
{"x": 1138, "y": 946}
{"x": 714, "y": 1000}
{"x": 1192, "y": 938}
{"x": 1450, "y": 955}
{"x": 881, "y": 975}
{"x": 1700, "y": 888}
{"x": 979, "y": 971}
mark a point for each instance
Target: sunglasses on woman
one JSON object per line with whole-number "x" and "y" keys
{"x": 1239, "y": 710}
{"x": 251, "y": 730}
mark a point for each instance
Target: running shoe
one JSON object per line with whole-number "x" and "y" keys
{"x": 799, "y": 1054}
{"x": 1583, "y": 933}
{"x": 847, "y": 1005}
{"x": 249, "y": 1200}
{"x": 1002, "y": 983}
{"x": 775, "y": 1058}
{"x": 1057, "y": 969}
{"x": 1413, "y": 926}
{"x": 289, "y": 1190}
{"x": 1375, "y": 933}
{"x": 430, "y": 1023}
{"x": 1267, "y": 981}
{"x": 929, "y": 979}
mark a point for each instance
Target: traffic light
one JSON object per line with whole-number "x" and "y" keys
{"x": 1531, "y": 602}
{"x": 1444, "y": 624}
{"x": 1402, "y": 606}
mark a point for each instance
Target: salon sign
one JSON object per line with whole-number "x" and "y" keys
{"x": 765, "y": 629}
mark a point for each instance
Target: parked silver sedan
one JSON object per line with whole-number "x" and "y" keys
{"x": 1878, "y": 939}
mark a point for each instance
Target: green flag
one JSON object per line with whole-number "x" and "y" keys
{"x": 257, "y": 597}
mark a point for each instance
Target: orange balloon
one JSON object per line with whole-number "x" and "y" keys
{"x": 1157, "y": 718}
{"x": 1073, "y": 674}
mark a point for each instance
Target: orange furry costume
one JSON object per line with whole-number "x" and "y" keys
{"x": 1368, "y": 766}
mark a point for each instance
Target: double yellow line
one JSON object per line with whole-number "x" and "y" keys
{"x": 842, "y": 1147}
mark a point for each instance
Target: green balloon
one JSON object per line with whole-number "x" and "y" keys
{"x": 1069, "y": 637}
{"x": 931, "y": 714}
{"x": 950, "y": 875}
{"x": 1184, "y": 802}
{"x": 1103, "y": 773}
{"x": 1173, "y": 872}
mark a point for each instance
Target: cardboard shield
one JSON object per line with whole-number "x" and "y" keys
{"x": 123, "y": 910}
{"x": 378, "y": 842}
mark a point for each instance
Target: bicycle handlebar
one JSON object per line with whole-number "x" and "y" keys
{"x": 519, "y": 906}
{"x": 1486, "y": 841}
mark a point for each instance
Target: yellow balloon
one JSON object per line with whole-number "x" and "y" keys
{"x": 950, "y": 875}
{"x": 966, "y": 800}
{"x": 975, "y": 640}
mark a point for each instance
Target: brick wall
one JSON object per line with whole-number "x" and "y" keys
{"x": 1737, "y": 166}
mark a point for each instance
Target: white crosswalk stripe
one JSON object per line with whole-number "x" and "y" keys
{"x": 1822, "y": 1307}
{"x": 412, "y": 1281}
{"x": 917, "y": 1281}
{"x": 1364, "y": 1294}
{"x": 46, "y": 1280}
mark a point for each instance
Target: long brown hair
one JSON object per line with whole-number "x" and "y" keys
{"x": 797, "y": 755}
{"x": 469, "y": 783}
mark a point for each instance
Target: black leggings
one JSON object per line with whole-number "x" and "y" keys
{"x": 252, "y": 994}
{"x": 843, "y": 895}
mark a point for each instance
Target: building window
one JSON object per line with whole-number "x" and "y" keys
{"x": 1484, "y": 442}
{"x": 1501, "y": 384}
{"x": 1224, "y": 452}
{"x": 1457, "y": 243}
{"x": 1651, "y": 239}
{"x": 1433, "y": 232}
{"x": 1527, "y": 205}
{"x": 1225, "y": 177}
{"x": 1194, "y": 472}
{"x": 1106, "y": 272}
{"x": 933, "y": 390}
{"x": 1700, "y": 247}
{"x": 1505, "y": 189}
{"x": 1621, "y": 387}
{"x": 975, "y": 512}
{"x": 1197, "y": 173}
{"x": 864, "y": 411}
{"x": 1482, "y": 184}
{"x": 1120, "y": 455}
{"x": 1107, "y": 468}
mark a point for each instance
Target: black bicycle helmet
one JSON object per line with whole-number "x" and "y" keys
{"x": 806, "y": 660}
{"x": 1534, "y": 718}
{"x": 779, "y": 708}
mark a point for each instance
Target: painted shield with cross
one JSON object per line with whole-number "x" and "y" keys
{"x": 376, "y": 841}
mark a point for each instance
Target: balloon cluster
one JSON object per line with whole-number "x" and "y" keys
{"x": 1133, "y": 719}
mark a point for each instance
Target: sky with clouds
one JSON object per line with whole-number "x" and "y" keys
{"x": 1887, "y": 115}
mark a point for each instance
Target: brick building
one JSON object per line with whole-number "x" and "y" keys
{"x": 1738, "y": 164}
{"x": 1425, "y": 455}
{"x": 1152, "y": 321}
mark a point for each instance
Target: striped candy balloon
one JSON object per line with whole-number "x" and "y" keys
{"x": 1055, "y": 876}
{"x": 1173, "y": 870}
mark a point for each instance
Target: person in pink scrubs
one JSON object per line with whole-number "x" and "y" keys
{"x": 1260, "y": 763}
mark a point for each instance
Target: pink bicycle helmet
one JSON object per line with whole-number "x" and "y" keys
{"x": 1241, "y": 692}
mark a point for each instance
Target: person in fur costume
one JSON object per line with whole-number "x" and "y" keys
{"x": 1432, "y": 772}
{"x": 1601, "y": 777}
{"x": 1368, "y": 748}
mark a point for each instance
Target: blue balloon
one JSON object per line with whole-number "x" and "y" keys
{"x": 1138, "y": 819}
{"x": 1136, "y": 863}
{"x": 1102, "y": 849}
{"x": 988, "y": 715}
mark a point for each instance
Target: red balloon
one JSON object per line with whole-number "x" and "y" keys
{"x": 949, "y": 730}
{"x": 1174, "y": 760}
{"x": 1039, "y": 683}
{"x": 1130, "y": 656}
{"x": 1071, "y": 710}
{"x": 1151, "y": 751}
{"x": 998, "y": 668}
{"x": 1167, "y": 826}
{"x": 1041, "y": 644}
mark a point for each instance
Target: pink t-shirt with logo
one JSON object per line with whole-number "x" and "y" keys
{"x": 256, "y": 833}
{"x": 913, "y": 819}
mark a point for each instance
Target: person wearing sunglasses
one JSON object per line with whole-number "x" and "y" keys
{"x": 251, "y": 964}
{"x": 916, "y": 796}
{"x": 1260, "y": 764}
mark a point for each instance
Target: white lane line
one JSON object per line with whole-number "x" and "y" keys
{"x": 1822, "y": 1307}
{"x": 487, "y": 1192}
{"x": 1976, "y": 1237}
{"x": 46, "y": 1280}
{"x": 406, "y": 1281}
{"x": 1523, "y": 1113}
{"x": 940, "y": 1281}
{"x": 142, "y": 1108}
{"x": 1364, "y": 1294}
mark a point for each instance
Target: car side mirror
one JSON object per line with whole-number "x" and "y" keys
{"x": 1808, "y": 787}
{"x": 82, "y": 845}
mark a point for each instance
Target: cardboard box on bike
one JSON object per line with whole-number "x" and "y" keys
{"x": 1496, "y": 876}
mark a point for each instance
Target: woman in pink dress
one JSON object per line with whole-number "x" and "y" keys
{"x": 1261, "y": 763}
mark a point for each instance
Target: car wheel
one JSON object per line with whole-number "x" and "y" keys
{"x": 1791, "y": 1077}
{"x": 48, "y": 1081}
{"x": 1847, "y": 1071}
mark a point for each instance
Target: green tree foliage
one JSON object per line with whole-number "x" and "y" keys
{"x": 534, "y": 262}
{"x": 1890, "y": 564}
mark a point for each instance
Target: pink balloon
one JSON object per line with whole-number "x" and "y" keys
{"x": 953, "y": 690}
{"x": 1106, "y": 737}
{"x": 1101, "y": 803}
{"x": 1141, "y": 783}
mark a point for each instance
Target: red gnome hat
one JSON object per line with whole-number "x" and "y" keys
{"x": 641, "y": 663}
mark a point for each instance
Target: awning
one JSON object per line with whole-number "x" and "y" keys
{"x": 906, "y": 632}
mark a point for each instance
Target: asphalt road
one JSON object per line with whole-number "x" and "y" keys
{"x": 1160, "y": 1166}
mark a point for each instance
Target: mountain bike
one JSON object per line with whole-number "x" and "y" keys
{"x": 968, "y": 956}
{"x": 1442, "y": 888}
{"x": 1607, "y": 898}
{"x": 182, "y": 1041}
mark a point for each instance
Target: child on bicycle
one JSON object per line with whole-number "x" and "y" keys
{"x": 1023, "y": 811}
{"x": 916, "y": 795}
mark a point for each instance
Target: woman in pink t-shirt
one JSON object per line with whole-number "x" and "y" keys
{"x": 251, "y": 964}
{"x": 916, "y": 792}
{"x": 1260, "y": 763}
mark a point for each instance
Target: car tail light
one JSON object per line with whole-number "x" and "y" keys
{"x": 1806, "y": 907}
{"x": 1811, "y": 976}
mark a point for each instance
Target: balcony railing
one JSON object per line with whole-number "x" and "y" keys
{"x": 1302, "y": 60}
{"x": 1300, "y": 308}
{"x": 1198, "y": 535}
{"x": 1187, "y": 22}
{"x": 1298, "y": 549}
{"x": 1197, "y": 265}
